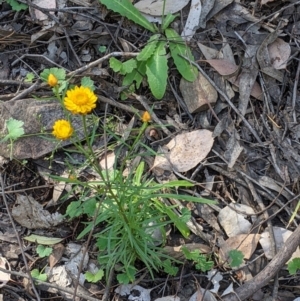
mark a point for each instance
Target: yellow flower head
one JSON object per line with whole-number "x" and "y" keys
{"x": 62, "y": 129}
{"x": 146, "y": 117}
{"x": 52, "y": 80}
{"x": 80, "y": 100}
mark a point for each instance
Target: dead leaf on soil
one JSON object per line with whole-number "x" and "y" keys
{"x": 56, "y": 255}
{"x": 168, "y": 298}
{"x": 176, "y": 252}
{"x": 235, "y": 223}
{"x": 198, "y": 94}
{"x": 246, "y": 243}
{"x": 155, "y": 8}
{"x": 230, "y": 70}
{"x": 4, "y": 277}
{"x": 280, "y": 52}
{"x": 37, "y": 14}
{"x": 192, "y": 21}
{"x": 185, "y": 151}
{"x": 281, "y": 235}
{"x": 31, "y": 215}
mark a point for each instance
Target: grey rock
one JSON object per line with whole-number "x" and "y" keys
{"x": 38, "y": 117}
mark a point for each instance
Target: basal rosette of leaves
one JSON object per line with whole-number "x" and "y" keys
{"x": 152, "y": 61}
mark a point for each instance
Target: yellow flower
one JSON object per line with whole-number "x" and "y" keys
{"x": 80, "y": 100}
{"x": 52, "y": 80}
{"x": 146, "y": 117}
{"x": 62, "y": 129}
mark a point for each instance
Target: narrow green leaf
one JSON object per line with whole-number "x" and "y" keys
{"x": 178, "y": 48}
{"x": 184, "y": 197}
{"x": 168, "y": 19}
{"x": 43, "y": 240}
{"x": 157, "y": 71}
{"x": 126, "y": 9}
{"x": 149, "y": 49}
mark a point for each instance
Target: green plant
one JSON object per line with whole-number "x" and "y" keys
{"x": 90, "y": 277}
{"x": 152, "y": 61}
{"x": 15, "y": 130}
{"x": 235, "y": 258}
{"x": 43, "y": 251}
{"x": 124, "y": 206}
{"x": 16, "y": 5}
{"x": 202, "y": 262}
{"x": 294, "y": 266}
{"x": 38, "y": 275}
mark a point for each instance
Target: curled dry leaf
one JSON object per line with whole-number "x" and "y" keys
{"x": 185, "y": 151}
{"x": 155, "y": 8}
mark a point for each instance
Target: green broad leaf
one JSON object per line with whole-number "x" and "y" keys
{"x": 14, "y": 128}
{"x": 169, "y": 268}
{"x": 294, "y": 266}
{"x": 115, "y": 64}
{"x": 74, "y": 209}
{"x": 168, "y": 19}
{"x": 235, "y": 258}
{"x": 178, "y": 48}
{"x": 136, "y": 75}
{"x": 126, "y": 9}
{"x": 203, "y": 264}
{"x": 89, "y": 207}
{"x": 43, "y": 251}
{"x": 37, "y": 275}
{"x": 123, "y": 278}
{"x": 87, "y": 82}
{"x": 43, "y": 240}
{"x": 128, "y": 66}
{"x": 149, "y": 49}
{"x": 59, "y": 73}
{"x": 29, "y": 77}
{"x": 102, "y": 49}
{"x": 186, "y": 215}
{"x": 17, "y": 6}
{"x": 157, "y": 71}
{"x": 90, "y": 277}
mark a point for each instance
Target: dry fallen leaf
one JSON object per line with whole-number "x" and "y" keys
{"x": 185, "y": 151}
{"x": 198, "y": 94}
{"x": 155, "y": 8}
{"x": 4, "y": 277}
{"x": 192, "y": 21}
{"x": 246, "y": 243}
{"x": 279, "y": 52}
{"x": 55, "y": 256}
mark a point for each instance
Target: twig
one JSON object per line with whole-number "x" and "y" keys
{"x": 18, "y": 238}
{"x": 26, "y": 91}
{"x": 99, "y": 61}
{"x": 295, "y": 92}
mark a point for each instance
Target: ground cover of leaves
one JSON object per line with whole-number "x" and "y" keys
{"x": 234, "y": 132}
